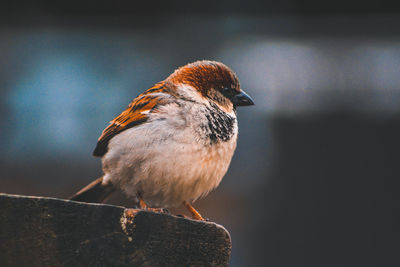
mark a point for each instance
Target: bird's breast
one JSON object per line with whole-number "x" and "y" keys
{"x": 173, "y": 158}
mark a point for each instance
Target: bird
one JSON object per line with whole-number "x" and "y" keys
{"x": 174, "y": 142}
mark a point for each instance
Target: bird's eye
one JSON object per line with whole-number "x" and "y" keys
{"x": 228, "y": 91}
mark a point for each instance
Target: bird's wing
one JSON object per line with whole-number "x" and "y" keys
{"x": 135, "y": 114}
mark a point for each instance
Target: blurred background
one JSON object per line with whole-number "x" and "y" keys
{"x": 315, "y": 178}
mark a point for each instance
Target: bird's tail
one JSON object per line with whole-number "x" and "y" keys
{"x": 96, "y": 192}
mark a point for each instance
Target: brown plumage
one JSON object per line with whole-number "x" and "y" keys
{"x": 133, "y": 115}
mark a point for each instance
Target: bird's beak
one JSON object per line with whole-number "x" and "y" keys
{"x": 242, "y": 99}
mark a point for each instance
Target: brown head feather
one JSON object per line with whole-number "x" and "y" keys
{"x": 208, "y": 77}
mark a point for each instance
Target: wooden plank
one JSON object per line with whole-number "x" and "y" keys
{"x": 38, "y": 231}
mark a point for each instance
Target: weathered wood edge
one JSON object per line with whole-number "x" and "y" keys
{"x": 42, "y": 231}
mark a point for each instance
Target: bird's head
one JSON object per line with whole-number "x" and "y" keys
{"x": 212, "y": 81}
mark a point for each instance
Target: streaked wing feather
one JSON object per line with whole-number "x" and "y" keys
{"x": 135, "y": 114}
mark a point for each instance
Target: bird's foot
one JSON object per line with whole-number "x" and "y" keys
{"x": 130, "y": 213}
{"x": 143, "y": 205}
{"x": 195, "y": 214}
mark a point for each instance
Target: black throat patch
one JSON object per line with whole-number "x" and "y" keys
{"x": 219, "y": 126}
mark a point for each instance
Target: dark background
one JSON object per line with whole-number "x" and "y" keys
{"x": 315, "y": 178}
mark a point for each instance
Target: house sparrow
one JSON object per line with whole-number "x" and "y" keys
{"x": 174, "y": 142}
